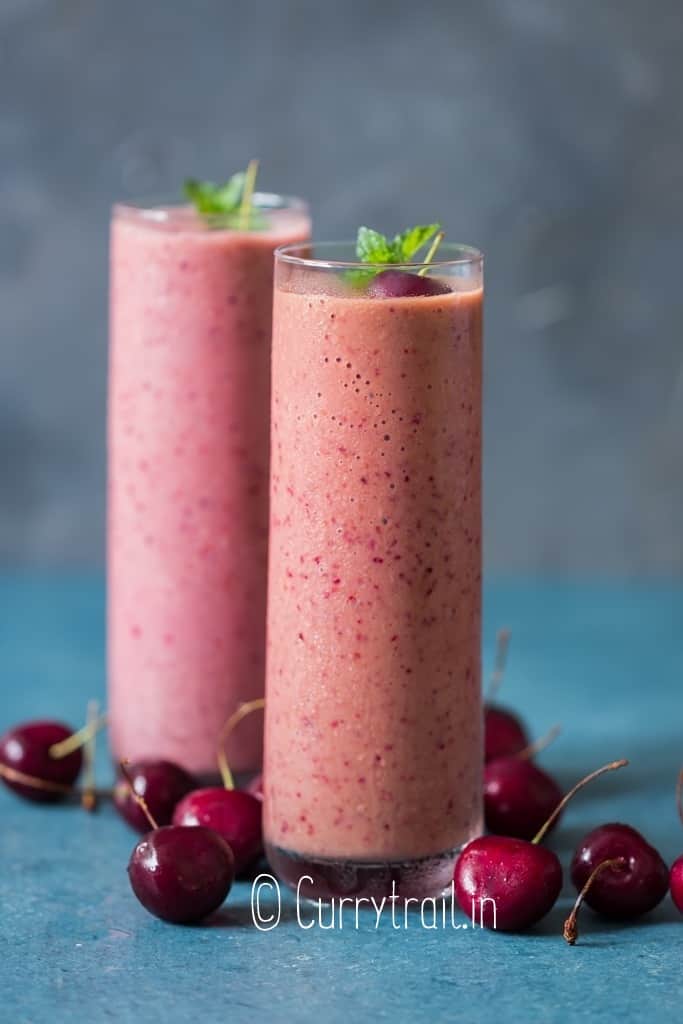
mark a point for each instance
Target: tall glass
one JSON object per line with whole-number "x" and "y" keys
{"x": 373, "y": 750}
{"x": 189, "y": 400}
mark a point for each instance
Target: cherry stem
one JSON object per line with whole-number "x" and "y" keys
{"x": 502, "y": 648}
{"x": 77, "y": 739}
{"x": 438, "y": 239}
{"x": 242, "y": 712}
{"x": 89, "y": 794}
{"x": 570, "y": 931}
{"x": 612, "y": 766}
{"x": 247, "y": 193}
{"x": 14, "y": 775}
{"x": 139, "y": 800}
{"x": 538, "y": 745}
{"x": 679, "y": 794}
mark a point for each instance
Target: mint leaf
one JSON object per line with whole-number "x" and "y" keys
{"x": 208, "y": 197}
{"x": 372, "y": 247}
{"x": 408, "y": 243}
{"x": 222, "y": 202}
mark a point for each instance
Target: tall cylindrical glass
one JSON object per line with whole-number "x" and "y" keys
{"x": 373, "y": 750}
{"x": 189, "y": 397}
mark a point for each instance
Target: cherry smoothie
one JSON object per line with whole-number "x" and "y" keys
{"x": 373, "y": 752}
{"x": 189, "y": 398}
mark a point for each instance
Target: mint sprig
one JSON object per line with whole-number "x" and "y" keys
{"x": 374, "y": 247}
{"x": 228, "y": 204}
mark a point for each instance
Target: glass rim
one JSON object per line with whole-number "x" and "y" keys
{"x": 157, "y": 208}
{"x": 460, "y": 255}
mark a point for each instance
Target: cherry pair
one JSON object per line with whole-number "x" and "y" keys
{"x": 514, "y": 883}
{"x": 172, "y": 797}
{"x": 201, "y": 838}
{"x": 183, "y": 869}
{"x": 179, "y": 873}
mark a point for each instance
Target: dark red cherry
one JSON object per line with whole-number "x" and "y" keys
{"x": 163, "y": 784}
{"x": 232, "y": 813}
{"x": 181, "y": 874}
{"x": 28, "y": 767}
{"x": 570, "y": 931}
{"x": 507, "y": 883}
{"x": 636, "y": 887}
{"x": 676, "y": 883}
{"x": 397, "y": 284}
{"x": 518, "y": 797}
{"x": 504, "y": 734}
{"x": 255, "y": 786}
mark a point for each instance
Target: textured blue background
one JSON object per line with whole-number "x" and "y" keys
{"x": 549, "y": 132}
{"x": 604, "y": 661}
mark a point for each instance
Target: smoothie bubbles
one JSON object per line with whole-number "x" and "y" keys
{"x": 189, "y": 398}
{"x": 373, "y": 752}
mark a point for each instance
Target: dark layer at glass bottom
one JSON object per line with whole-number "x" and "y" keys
{"x": 320, "y": 878}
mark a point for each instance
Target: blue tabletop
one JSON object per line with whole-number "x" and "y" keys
{"x": 604, "y": 661}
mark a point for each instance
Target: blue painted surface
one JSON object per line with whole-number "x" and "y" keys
{"x": 606, "y": 662}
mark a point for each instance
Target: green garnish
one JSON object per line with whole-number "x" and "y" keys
{"x": 373, "y": 247}
{"x": 228, "y": 205}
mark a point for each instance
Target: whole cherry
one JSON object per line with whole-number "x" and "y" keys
{"x": 234, "y": 814}
{"x": 41, "y": 760}
{"x": 570, "y": 931}
{"x": 180, "y": 874}
{"x": 513, "y": 883}
{"x": 518, "y": 797}
{"x": 397, "y": 284}
{"x": 676, "y": 876}
{"x": 163, "y": 784}
{"x": 504, "y": 733}
{"x": 635, "y": 886}
{"x": 509, "y": 882}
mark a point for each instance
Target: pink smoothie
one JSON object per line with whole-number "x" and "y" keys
{"x": 188, "y": 480}
{"x": 373, "y": 709}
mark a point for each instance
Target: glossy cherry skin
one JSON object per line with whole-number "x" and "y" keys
{"x": 26, "y": 749}
{"x": 504, "y": 734}
{"x": 232, "y": 813}
{"x": 523, "y": 879}
{"x": 181, "y": 874}
{"x": 676, "y": 883}
{"x": 255, "y": 787}
{"x": 163, "y": 784}
{"x": 397, "y": 284}
{"x": 518, "y": 797}
{"x": 627, "y": 892}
